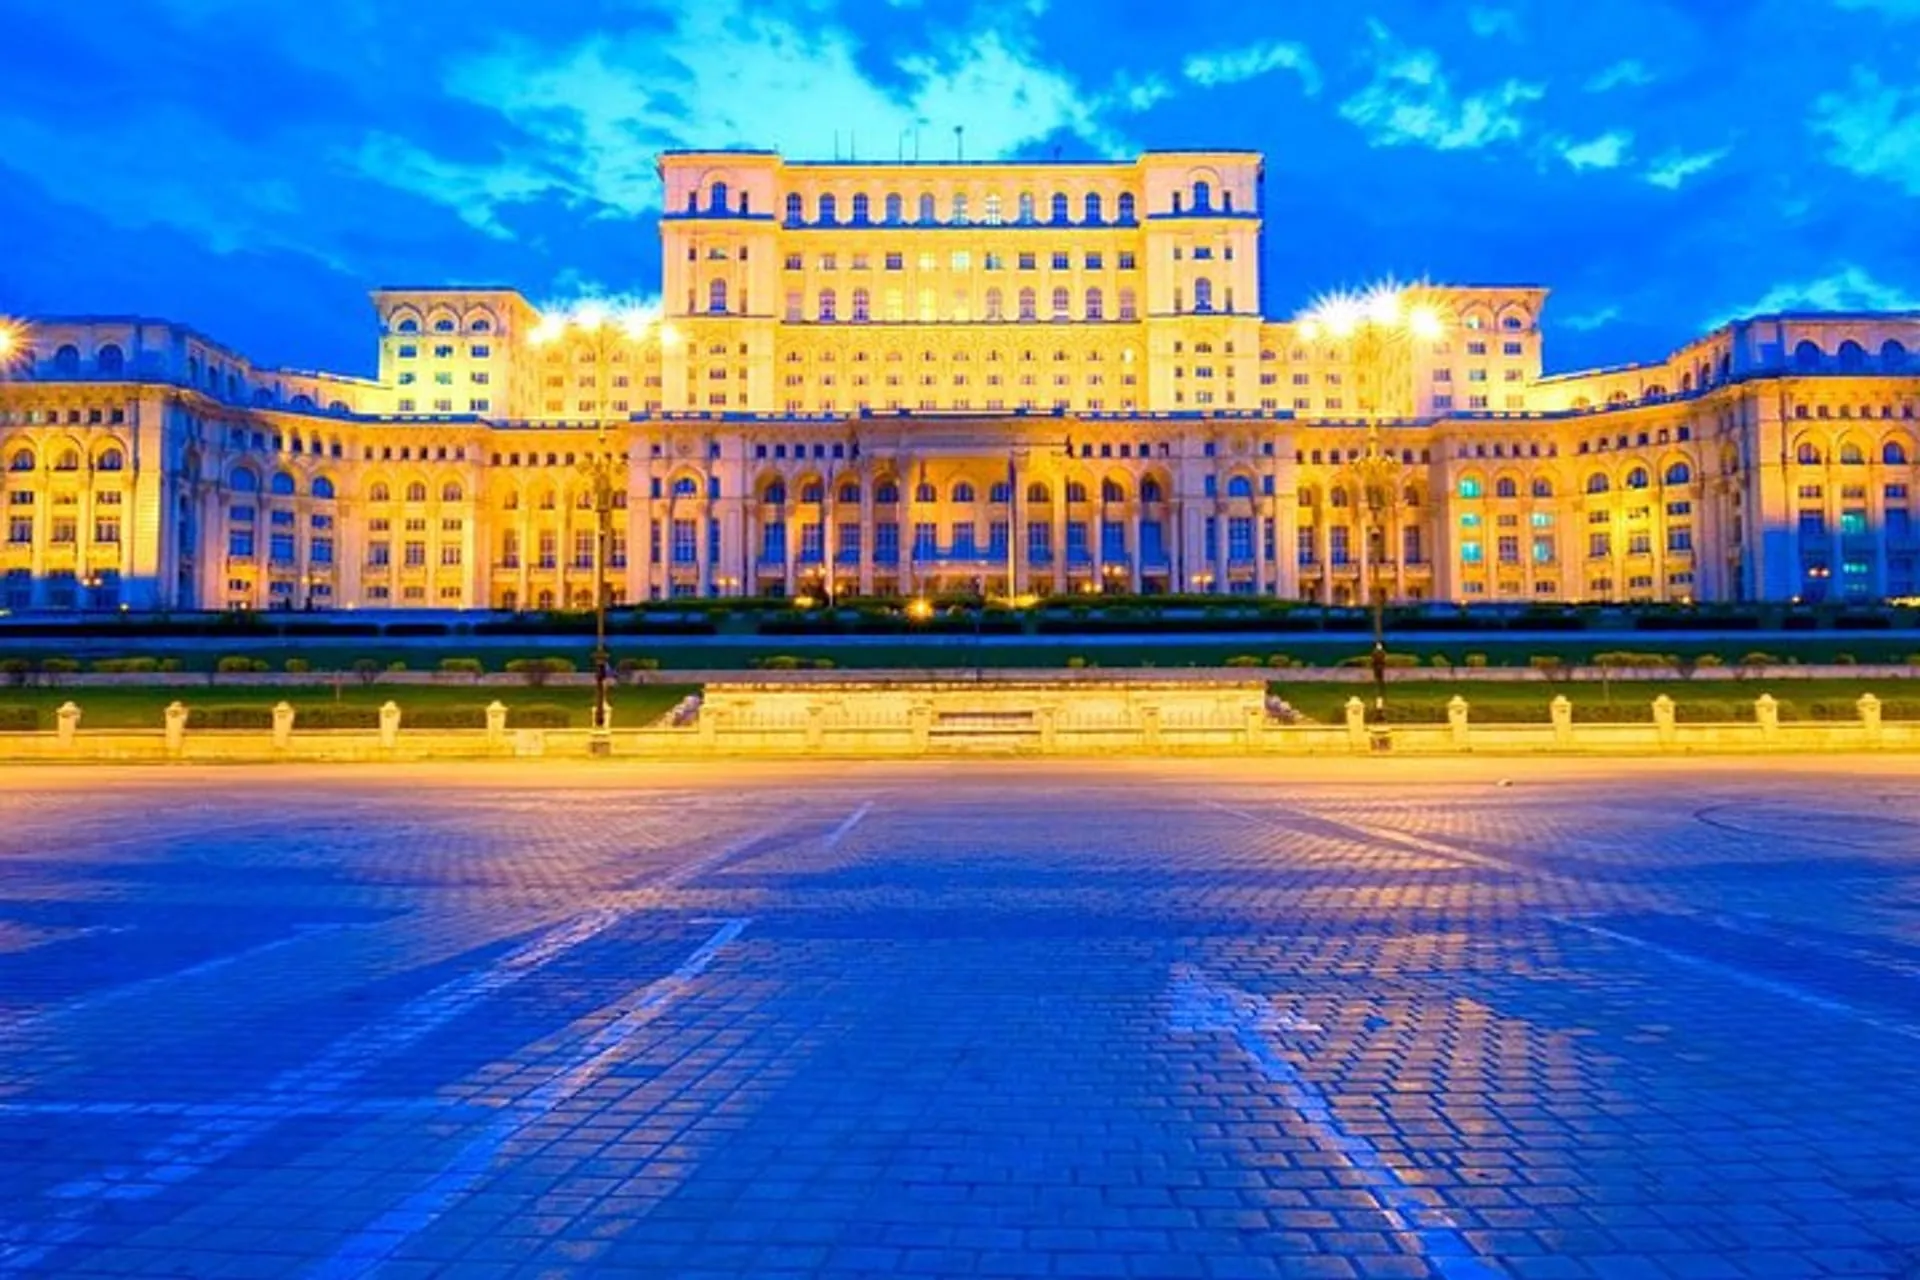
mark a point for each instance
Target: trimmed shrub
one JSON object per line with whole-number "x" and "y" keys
{"x": 16, "y": 670}
{"x": 1710, "y": 711}
{"x": 456, "y": 717}
{"x": 536, "y": 671}
{"x": 1758, "y": 658}
{"x": 1440, "y": 660}
{"x": 233, "y": 664}
{"x": 1845, "y": 660}
{"x": 239, "y": 717}
{"x": 537, "y": 715}
{"x": 19, "y": 719}
{"x": 1398, "y": 660}
{"x": 627, "y": 668}
{"x": 1709, "y": 660}
{"x": 823, "y": 664}
{"x": 124, "y": 666}
{"x": 1243, "y": 660}
{"x": 1476, "y": 660}
{"x": 780, "y": 662}
{"x": 1077, "y": 663}
{"x": 462, "y": 667}
{"x": 1279, "y": 661}
{"x": 1900, "y": 708}
{"x": 328, "y": 715}
{"x": 298, "y": 667}
{"x": 366, "y": 670}
{"x": 396, "y": 665}
{"x": 54, "y": 668}
{"x": 1545, "y": 662}
{"x": 1633, "y": 658}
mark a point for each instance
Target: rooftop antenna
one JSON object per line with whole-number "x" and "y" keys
{"x": 900, "y": 145}
{"x": 960, "y": 143}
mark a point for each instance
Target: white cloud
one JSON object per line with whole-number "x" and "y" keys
{"x": 728, "y": 74}
{"x": 1848, "y": 289}
{"x": 1608, "y": 151}
{"x": 1488, "y": 22}
{"x": 1895, "y": 9}
{"x": 474, "y": 192}
{"x": 1410, "y": 102}
{"x": 1628, "y": 72}
{"x": 1232, "y": 66}
{"x": 1872, "y": 130}
{"x": 1675, "y": 167}
{"x": 1592, "y": 320}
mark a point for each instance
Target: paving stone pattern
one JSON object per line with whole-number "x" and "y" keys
{"x": 974, "y": 1020}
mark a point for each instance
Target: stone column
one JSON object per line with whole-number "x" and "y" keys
{"x": 1869, "y": 717}
{"x": 282, "y": 725}
{"x": 1664, "y": 720}
{"x": 1766, "y": 714}
{"x": 496, "y": 724}
{"x": 1457, "y": 726}
{"x": 1356, "y": 712}
{"x": 176, "y": 728}
{"x": 390, "y": 725}
{"x": 67, "y": 721}
{"x": 1562, "y": 712}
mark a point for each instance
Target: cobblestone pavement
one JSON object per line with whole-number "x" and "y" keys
{"x": 1213, "y": 1020}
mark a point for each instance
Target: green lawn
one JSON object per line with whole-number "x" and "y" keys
{"x": 1633, "y": 699}
{"x": 125, "y": 707}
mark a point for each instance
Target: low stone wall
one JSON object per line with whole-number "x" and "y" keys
{"x": 885, "y": 719}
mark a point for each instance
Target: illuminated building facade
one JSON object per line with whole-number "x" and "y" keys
{"x": 872, "y": 379}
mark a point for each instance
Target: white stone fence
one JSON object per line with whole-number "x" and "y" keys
{"x": 1140, "y": 724}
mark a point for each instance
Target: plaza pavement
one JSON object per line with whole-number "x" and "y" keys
{"x": 1449, "y": 1018}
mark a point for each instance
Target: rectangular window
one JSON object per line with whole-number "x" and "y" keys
{"x": 106, "y": 530}
{"x": 280, "y": 548}
{"x": 846, "y": 543}
{"x": 416, "y": 555}
{"x": 1509, "y": 549}
{"x": 1240, "y": 538}
{"x": 20, "y": 529}
{"x": 812, "y": 542}
{"x": 239, "y": 541}
{"x": 1039, "y": 542}
{"x": 886, "y": 542}
{"x": 686, "y": 542}
{"x": 1339, "y": 549}
{"x": 549, "y": 549}
{"x": 926, "y": 539}
{"x": 1599, "y": 545}
{"x": 1470, "y": 552}
{"x": 379, "y": 554}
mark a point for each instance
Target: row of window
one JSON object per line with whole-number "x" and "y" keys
{"x": 24, "y": 459}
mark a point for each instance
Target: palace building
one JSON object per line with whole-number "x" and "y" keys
{"x": 889, "y": 379}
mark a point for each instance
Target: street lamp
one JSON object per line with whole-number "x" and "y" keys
{"x": 603, "y": 470}
{"x": 13, "y": 345}
{"x": 1377, "y": 327}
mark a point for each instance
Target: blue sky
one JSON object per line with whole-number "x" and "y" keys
{"x": 253, "y": 167}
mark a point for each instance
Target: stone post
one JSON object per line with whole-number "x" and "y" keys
{"x": 1562, "y": 712}
{"x": 1045, "y": 717}
{"x": 1766, "y": 713}
{"x": 1150, "y": 730}
{"x": 390, "y": 725}
{"x": 1457, "y": 720}
{"x": 1256, "y": 727}
{"x": 282, "y": 725}
{"x": 496, "y": 724}
{"x": 1356, "y": 724}
{"x": 816, "y": 726}
{"x": 920, "y": 721}
{"x": 1869, "y": 716}
{"x": 68, "y": 721}
{"x": 1663, "y": 720}
{"x": 176, "y": 727}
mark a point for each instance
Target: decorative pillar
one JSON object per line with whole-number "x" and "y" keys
{"x": 67, "y": 721}
{"x": 1562, "y": 712}
{"x": 1664, "y": 720}
{"x": 390, "y": 725}
{"x": 1457, "y": 725}
{"x": 282, "y": 725}
{"x": 1766, "y": 713}
{"x": 176, "y": 728}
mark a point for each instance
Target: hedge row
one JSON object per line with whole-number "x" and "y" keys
{"x": 532, "y": 716}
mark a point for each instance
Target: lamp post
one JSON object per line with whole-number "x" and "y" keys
{"x": 603, "y": 470}
{"x": 1378, "y": 328}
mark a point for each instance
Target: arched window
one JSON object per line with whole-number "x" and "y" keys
{"x": 1203, "y": 294}
{"x": 1126, "y": 209}
{"x": 1506, "y": 487}
{"x": 244, "y": 481}
{"x": 813, "y": 493}
{"x": 893, "y": 210}
{"x": 323, "y": 489}
{"x": 717, "y": 197}
{"x": 67, "y": 359}
{"x": 775, "y": 494}
{"x": 1679, "y": 473}
{"x": 111, "y": 459}
{"x": 1808, "y": 454}
{"x": 1638, "y": 478}
{"x": 109, "y": 359}
{"x": 1093, "y": 212}
{"x": 1150, "y": 490}
{"x": 827, "y": 302}
{"x": 417, "y": 492}
{"x": 451, "y": 491}
{"x": 378, "y": 493}
{"x": 1893, "y": 453}
{"x": 717, "y": 296}
{"x": 1076, "y": 492}
{"x": 22, "y": 460}
{"x": 862, "y": 305}
{"x": 408, "y": 325}
{"x": 481, "y": 325}
{"x": 444, "y": 325}
{"x": 1111, "y": 491}
{"x": 849, "y": 494}
{"x": 1850, "y": 455}
{"x": 1598, "y": 482}
{"x": 1893, "y": 356}
{"x": 1202, "y": 197}
{"x": 1127, "y": 309}
{"x": 1028, "y": 305}
{"x": 796, "y": 209}
{"x": 958, "y": 214}
{"x": 1058, "y": 212}
{"x": 1338, "y": 497}
{"x": 995, "y": 304}
{"x": 963, "y": 492}
{"x": 1062, "y": 304}
{"x": 281, "y": 485}
{"x": 1852, "y": 357}
{"x": 1239, "y": 487}
{"x": 1000, "y": 494}
{"x": 886, "y": 493}
{"x": 686, "y": 487}
{"x": 1038, "y": 495}
{"x": 861, "y": 208}
{"x": 1542, "y": 487}
{"x": 1026, "y": 207}
{"x": 1096, "y": 305}
{"x": 829, "y": 210}
{"x": 924, "y": 492}
{"x": 1410, "y": 496}
{"x": 925, "y": 210}
{"x": 1469, "y": 487}
{"x": 1806, "y": 355}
